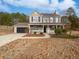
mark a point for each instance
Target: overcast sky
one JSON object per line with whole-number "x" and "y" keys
{"x": 45, "y": 6}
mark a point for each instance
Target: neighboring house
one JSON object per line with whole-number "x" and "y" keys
{"x": 42, "y": 23}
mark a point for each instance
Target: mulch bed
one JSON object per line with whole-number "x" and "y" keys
{"x": 34, "y": 35}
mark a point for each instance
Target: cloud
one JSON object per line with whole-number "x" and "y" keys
{"x": 29, "y": 3}
{"x": 3, "y": 7}
{"x": 54, "y": 3}
{"x": 42, "y": 5}
{"x": 66, "y": 4}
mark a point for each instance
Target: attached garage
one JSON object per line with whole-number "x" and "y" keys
{"x": 21, "y": 28}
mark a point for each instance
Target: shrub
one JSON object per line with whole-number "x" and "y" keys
{"x": 64, "y": 31}
{"x": 35, "y": 32}
{"x": 41, "y": 32}
{"x": 58, "y": 31}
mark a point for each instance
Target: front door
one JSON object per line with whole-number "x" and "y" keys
{"x": 45, "y": 27}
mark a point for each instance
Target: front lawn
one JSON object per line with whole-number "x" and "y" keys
{"x": 52, "y": 48}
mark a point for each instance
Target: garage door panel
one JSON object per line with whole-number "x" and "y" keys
{"x": 21, "y": 30}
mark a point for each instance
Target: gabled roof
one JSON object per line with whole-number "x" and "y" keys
{"x": 47, "y": 14}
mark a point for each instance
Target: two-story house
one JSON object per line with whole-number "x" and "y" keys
{"x": 45, "y": 23}
{"x": 42, "y": 23}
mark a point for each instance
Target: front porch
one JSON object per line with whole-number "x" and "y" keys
{"x": 44, "y": 28}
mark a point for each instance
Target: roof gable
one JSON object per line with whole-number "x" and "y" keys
{"x": 35, "y": 14}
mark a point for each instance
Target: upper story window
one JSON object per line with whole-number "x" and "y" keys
{"x": 39, "y": 19}
{"x": 57, "y": 20}
{"x": 34, "y": 18}
{"x": 46, "y": 19}
{"x": 51, "y": 19}
{"x": 54, "y": 20}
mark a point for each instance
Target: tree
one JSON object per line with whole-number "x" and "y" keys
{"x": 5, "y": 19}
{"x": 72, "y": 18}
{"x": 70, "y": 12}
{"x": 12, "y": 18}
{"x": 18, "y": 17}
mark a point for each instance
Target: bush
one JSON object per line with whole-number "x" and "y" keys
{"x": 58, "y": 31}
{"x": 41, "y": 32}
{"x": 64, "y": 31}
{"x": 35, "y": 32}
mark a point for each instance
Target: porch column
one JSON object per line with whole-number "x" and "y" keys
{"x": 43, "y": 28}
{"x": 56, "y": 26}
{"x": 63, "y": 27}
{"x": 48, "y": 29}
{"x": 29, "y": 29}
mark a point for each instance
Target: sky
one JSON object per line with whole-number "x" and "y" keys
{"x": 42, "y": 6}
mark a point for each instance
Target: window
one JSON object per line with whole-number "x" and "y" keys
{"x": 51, "y": 19}
{"x": 54, "y": 20}
{"x": 32, "y": 19}
{"x": 46, "y": 20}
{"x": 57, "y": 20}
{"x": 35, "y": 19}
{"x": 52, "y": 27}
{"x": 39, "y": 19}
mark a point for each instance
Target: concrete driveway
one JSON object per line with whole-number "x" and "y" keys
{"x": 10, "y": 37}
